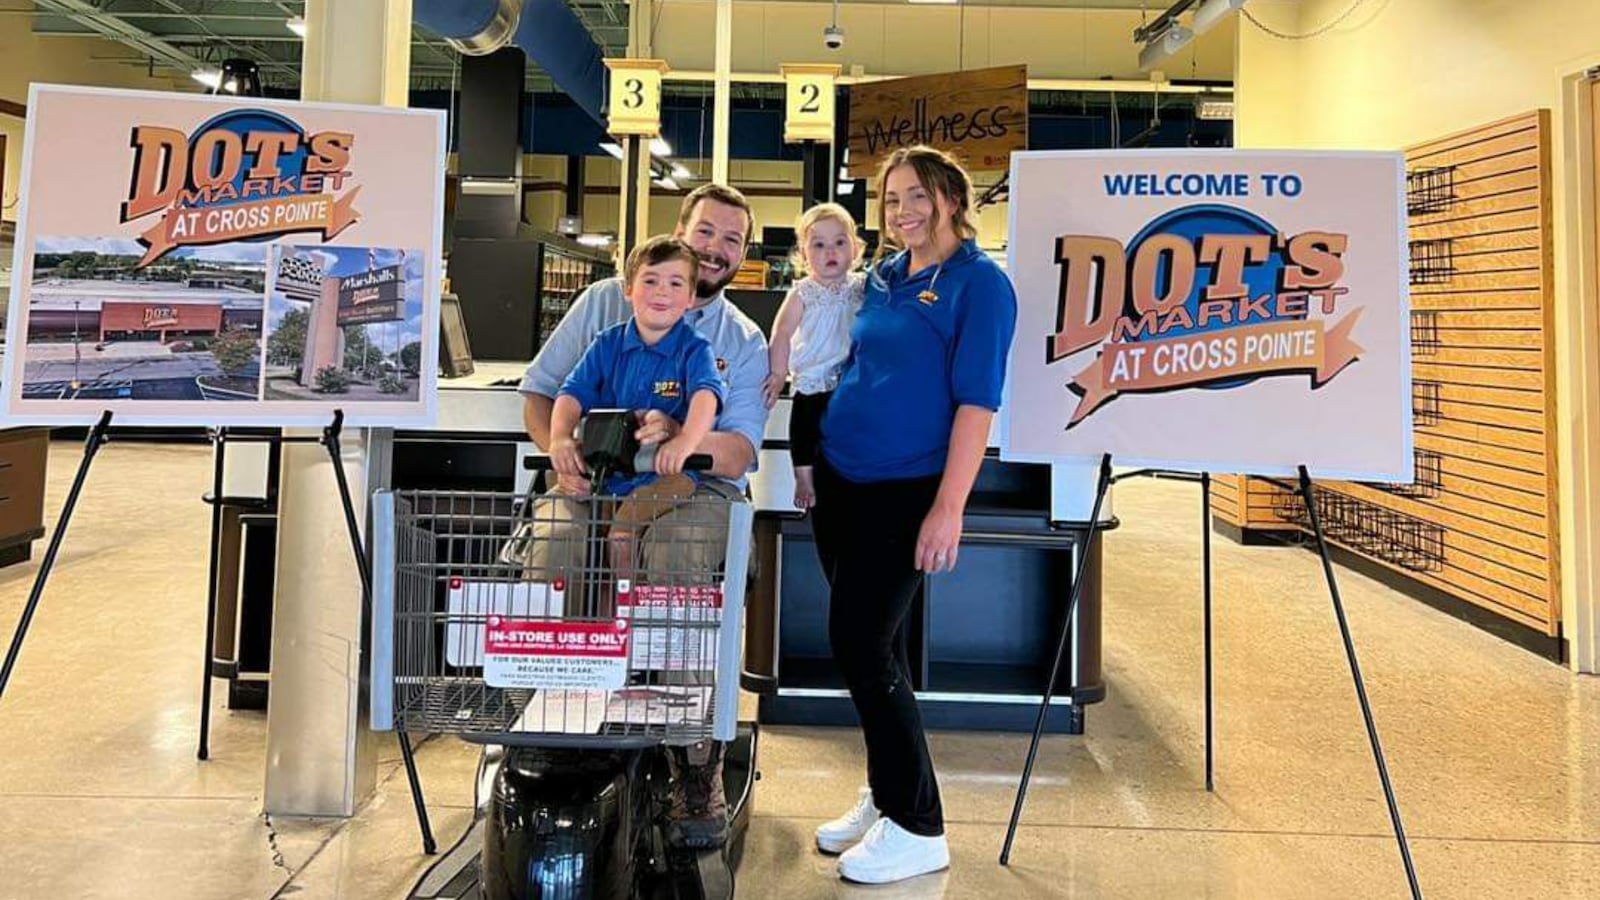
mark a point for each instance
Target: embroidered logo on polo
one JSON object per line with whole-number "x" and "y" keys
{"x": 668, "y": 390}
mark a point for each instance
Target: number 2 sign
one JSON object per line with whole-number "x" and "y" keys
{"x": 635, "y": 96}
{"x": 808, "y": 107}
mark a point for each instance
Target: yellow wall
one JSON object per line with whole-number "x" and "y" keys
{"x": 25, "y": 58}
{"x": 1402, "y": 71}
{"x": 900, "y": 39}
{"x": 1399, "y": 72}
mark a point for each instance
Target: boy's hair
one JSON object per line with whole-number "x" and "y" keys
{"x": 832, "y": 212}
{"x": 654, "y": 252}
{"x": 720, "y": 193}
{"x": 939, "y": 173}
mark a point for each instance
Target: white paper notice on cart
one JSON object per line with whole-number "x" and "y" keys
{"x": 539, "y": 653}
{"x": 674, "y": 626}
{"x": 471, "y": 602}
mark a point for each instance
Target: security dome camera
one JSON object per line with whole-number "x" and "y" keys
{"x": 833, "y": 37}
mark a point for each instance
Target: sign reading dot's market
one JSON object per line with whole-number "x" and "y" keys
{"x": 1211, "y": 311}
{"x": 244, "y": 174}
{"x": 241, "y": 261}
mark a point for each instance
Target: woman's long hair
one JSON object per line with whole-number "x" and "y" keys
{"x": 939, "y": 173}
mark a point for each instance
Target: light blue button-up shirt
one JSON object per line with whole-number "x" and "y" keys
{"x": 737, "y": 342}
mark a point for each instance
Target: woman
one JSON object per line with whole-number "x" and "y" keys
{"x": 902, "y": 441}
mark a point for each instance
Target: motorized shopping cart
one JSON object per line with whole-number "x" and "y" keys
{"x": 577, "y": 636}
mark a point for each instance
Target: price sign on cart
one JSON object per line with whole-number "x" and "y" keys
{"x": 539, "y": 653}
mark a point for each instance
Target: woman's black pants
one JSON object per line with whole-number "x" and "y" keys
{"x": 866, "y": 536}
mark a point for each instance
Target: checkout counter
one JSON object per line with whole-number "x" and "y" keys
{"x": 981, "y": 638}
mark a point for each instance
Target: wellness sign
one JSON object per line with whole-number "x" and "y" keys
{"x": 1206, "y": 311}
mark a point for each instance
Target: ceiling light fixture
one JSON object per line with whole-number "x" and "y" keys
{"x": 595, "y": 240}
{"x": 1213, "y": 107}
{"x": 1164, "y": 45}
{"x": 1163, "y": 37}
{"x": 680, "y": 172}
{"x": 297, "y": 25}
{"x": 667, "y": 183}
{"x": 660, "y": 147}
{"x": 613, "y": 149}
{"x": 211, "y": 78}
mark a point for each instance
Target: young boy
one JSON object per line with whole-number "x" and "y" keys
{"x": 652, "y": 361}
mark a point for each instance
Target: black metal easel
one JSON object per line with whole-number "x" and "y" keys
{"x": 91, "y": 445}
{"x": 1307, "y": 493}
{"x": 99, "y": 435}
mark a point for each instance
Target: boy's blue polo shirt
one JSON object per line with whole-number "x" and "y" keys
{"x": 912, "y": 363}
{"x": 621, "y": 371}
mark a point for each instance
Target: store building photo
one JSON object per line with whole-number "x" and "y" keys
{"x": 799, "y": 448}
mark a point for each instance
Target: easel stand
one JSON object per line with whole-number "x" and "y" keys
{"x": 1307, "y": 493}
{"x": 99, "y": 435}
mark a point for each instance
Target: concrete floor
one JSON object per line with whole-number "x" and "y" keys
{"x": 1495, "y": 753}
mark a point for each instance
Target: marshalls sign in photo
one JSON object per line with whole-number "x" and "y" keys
{"x": 1211, "y": 311}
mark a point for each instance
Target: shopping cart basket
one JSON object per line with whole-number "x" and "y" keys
{"x": 540, "y": 621}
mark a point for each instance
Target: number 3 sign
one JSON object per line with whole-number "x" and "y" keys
{"x": 635, "y": 97}
{"x": 808, "y": 109}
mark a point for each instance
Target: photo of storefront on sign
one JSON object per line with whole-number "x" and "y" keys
{"x": 100, "y": 327}
{"x": 344, "y": 320}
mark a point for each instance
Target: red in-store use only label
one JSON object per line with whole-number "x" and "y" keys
{"x": 539, "y": 653}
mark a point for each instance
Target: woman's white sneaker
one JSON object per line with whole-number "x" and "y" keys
{"x": 890, "y": 853}
{"x": 844, "y": 832}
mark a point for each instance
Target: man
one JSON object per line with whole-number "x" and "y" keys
{"x": 716, "y": 222}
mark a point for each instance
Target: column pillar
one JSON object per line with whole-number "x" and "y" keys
{"x": 636, "y": 206}
{"x": 321, "y": 758}
{"x": 722, "y": 93}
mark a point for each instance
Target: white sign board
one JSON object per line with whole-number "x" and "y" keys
{"x": 1218, "y": 311}
{"x": 180, "y": 260}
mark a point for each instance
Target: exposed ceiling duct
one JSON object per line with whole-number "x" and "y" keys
{"x": 552, "y": 35}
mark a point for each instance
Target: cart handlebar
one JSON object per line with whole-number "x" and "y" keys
{"x": 644, "y": 461}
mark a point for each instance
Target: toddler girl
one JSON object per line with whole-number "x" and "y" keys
{"x": 811, "y": 337}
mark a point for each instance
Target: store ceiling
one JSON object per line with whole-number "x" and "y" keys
{"x": 184, "y": 35}
{"x": 190, "y": 34}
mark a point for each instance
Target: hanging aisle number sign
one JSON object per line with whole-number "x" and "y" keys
{"x": 808, "y": 106}
{"x": 635, "y": 96}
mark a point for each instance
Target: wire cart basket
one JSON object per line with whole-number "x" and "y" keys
{"x": 539, "y": 621}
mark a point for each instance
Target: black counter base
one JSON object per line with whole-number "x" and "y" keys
{"x": 809, "y": 709}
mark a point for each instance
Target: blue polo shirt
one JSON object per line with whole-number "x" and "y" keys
{"x": 912, "y": 363}
{"x": 740, "y": 348}
{"x": 621, "y": 371}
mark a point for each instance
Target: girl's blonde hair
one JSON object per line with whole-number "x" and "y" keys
{"x": 808, "y": 219}
{"x": 939, "y": 173}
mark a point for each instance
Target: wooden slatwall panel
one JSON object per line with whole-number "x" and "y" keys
{"x": 1257, "y": 512}
{"x": 1493, "y": 363}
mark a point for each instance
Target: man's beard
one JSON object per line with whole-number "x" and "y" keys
{"x": 705, "y": 290}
